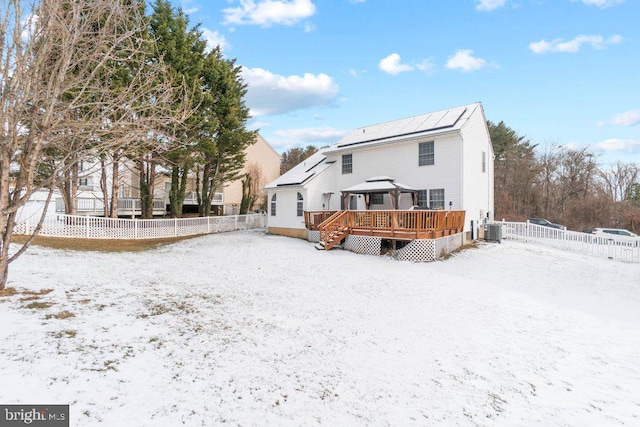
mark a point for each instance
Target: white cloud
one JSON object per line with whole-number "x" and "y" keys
{"x": 214, "y": 38}
{"x": 628, "y": 118}
{"x": 464, "y": 60}
{"x": 187, "y": 8}
{"x": 426, "y": 65}
{"x": 602, "y": 3}
{"x": 258, "y": 125}
{"x": 392, "y": 65}
{"x": 270, "y": 93}
{"x": 572, "y": 46}
{"x": 488, "y": 5}
{"x": 29, "y": 24}
{"x": 288, "y": 138}
{"x": 353, "y": 72}
{"x": 618, "y": 146}
{"x": 269, "y": 12}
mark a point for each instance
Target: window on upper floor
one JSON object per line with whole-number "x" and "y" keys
{"x": 426, "y": 153}
{"x": 273, "y": 205}
{"x": 300, "y": 205}
{"x": 347, "y": 163}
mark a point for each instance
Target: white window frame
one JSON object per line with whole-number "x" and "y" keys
{"x": 347, "y": 164}
{"x": 300, "y": 205}
{"x": 435, "y": 201}
{"x": 427, "y": 153}
{"x": 273, "y": 204}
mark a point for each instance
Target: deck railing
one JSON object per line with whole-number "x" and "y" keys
{"x": 313, "y": 219}
{"x": 399, "y": 224}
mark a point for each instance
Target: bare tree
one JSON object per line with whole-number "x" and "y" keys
{"x": 58, "y": 57}
{"x": 619, "y": 179}
{"x": 253, "y": 183}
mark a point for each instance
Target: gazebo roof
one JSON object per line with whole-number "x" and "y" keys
{"x": 379, "y": 184}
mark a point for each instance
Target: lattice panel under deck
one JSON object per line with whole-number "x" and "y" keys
{"x": 367, "y": 245}
{"x": 313, "y": 236}
{"x": 418, "y": 250}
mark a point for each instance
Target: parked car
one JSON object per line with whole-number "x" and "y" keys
{"x": 613, "y": 232}
{"x": 545, "y": 223}
{"x": 619, "y": 236}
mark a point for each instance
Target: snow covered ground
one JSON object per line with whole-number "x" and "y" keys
{"x": 252, "y": 329}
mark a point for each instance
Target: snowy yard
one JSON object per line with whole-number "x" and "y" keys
{"x": 252, "y": 329}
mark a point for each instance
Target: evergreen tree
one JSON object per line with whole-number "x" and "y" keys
{"x": 223, "y": 136}
{"x": 183, "y": 50}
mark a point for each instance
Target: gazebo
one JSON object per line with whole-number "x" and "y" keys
{"x": 380, "y": 184}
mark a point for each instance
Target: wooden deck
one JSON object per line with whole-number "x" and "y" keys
{"x": 395, "y": 224}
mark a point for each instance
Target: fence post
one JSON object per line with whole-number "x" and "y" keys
{"x": 135, "y": 228}
{"x": 175, "y": 226}
{"x": 208, "y": 224}
{"x": 235, "y": 222}
{"x": 86, "y": 221}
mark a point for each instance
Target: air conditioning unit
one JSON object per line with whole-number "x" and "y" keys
{"x": 493, "y": 232}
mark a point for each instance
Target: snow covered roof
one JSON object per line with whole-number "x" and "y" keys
{"x": 378, "y": 184}
{"x": 434, "y": 123}
{"x": 302, "y": 172}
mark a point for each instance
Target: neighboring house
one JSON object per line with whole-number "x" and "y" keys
{"x": 90, "y": 200}
{"x": 262, "y": 162}
{"x": 440, "y": 160}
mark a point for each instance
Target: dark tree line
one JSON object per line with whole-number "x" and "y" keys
{"x": 563, "y": 185}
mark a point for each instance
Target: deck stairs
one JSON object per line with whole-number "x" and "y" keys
{"x": 333, "y": 230}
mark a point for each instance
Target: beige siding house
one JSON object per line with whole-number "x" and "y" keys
{"x": 261, "y": 160}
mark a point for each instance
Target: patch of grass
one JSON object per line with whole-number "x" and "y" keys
{"x": 62, "y": 315}
{"x": 7, "y": 292}
{"x": 40, "y": 292}
{"x": 31, "y": 298}
{"x": 65, "y": 334}
{"x": 100, "y": 245}
{"x": 39, "y": 305}
{"x": 84, "y": 301}
{"x": 472, "y": 245}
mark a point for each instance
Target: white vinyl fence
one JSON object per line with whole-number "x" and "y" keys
{"x": 91, "y": 227}
{"x": 614, "y": 247}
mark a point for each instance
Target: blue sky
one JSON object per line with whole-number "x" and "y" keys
{"x": 560, "y": 72}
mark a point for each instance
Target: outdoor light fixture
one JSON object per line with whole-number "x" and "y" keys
{"x": 450, "y": 203}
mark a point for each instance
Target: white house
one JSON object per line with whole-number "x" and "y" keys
{"x": 441, "y": 160}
